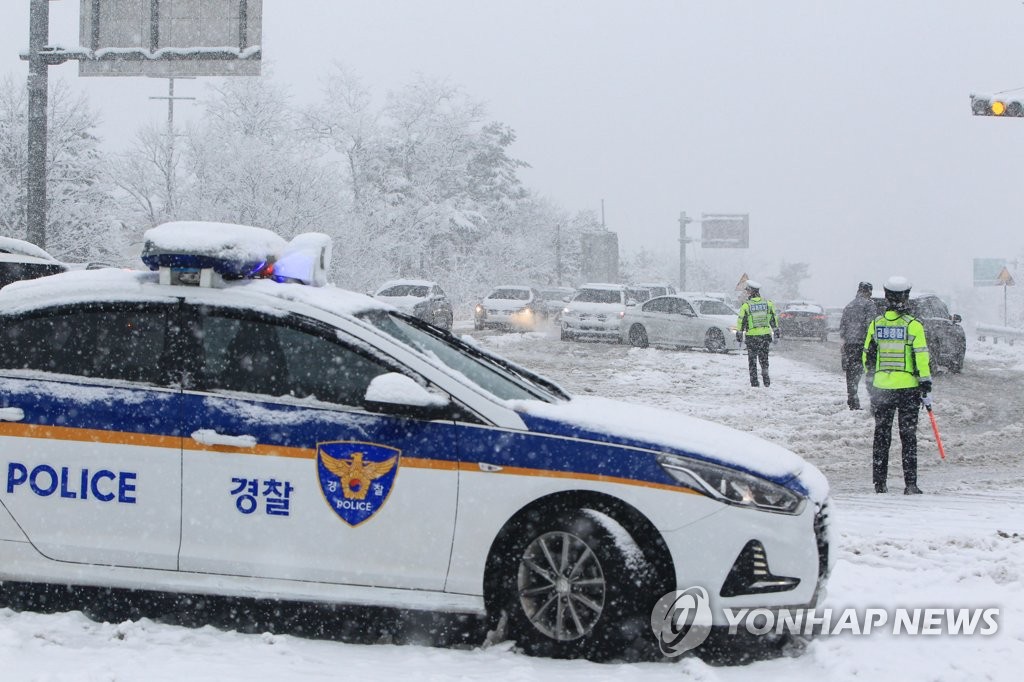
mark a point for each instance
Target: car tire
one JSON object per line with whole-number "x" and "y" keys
{"x": 568, "y": 589}
{"x": 566, "y": 335}
{"x": 448, "y": 321}
{"x": 714, "y": 341}
{"x": 934, "y": 355}
{"x": 638, "y": 336}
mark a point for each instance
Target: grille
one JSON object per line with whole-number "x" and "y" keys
{"x": 821, "y": 521}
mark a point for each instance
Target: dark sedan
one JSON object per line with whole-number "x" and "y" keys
{"x": 803, "y": 319}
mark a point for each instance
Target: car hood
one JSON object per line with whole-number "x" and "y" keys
{"x": 659, "y": 430}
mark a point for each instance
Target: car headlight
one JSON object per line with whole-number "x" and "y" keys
{"x": 479, "y": 309}
{"x": 731, "y": 486}
{"x": 566, "y": 310}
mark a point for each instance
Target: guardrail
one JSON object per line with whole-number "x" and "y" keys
{"x": 1008, "y": 334}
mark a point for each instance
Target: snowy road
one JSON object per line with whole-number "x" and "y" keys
{"x": 960, "y": 545}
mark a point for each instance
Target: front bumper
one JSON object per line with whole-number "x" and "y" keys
{"x": 796, "y": 551}
{"x": 591, "y": 325}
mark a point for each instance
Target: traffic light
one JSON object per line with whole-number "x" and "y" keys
{"x": 991, "y": 106}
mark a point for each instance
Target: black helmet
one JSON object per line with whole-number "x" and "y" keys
{"x": 897, "y": 293}
{"x": 865, "y": 286}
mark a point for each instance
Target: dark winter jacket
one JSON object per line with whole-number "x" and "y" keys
{"x": 857, "y": 315}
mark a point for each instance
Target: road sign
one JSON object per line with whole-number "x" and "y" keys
{"x": 1005, "y": 278}
{"x": 725, "y": 230}
{"x": 742, "y": 284}
{"x": 988, "y": 270}
{"x": 171, "y": 38}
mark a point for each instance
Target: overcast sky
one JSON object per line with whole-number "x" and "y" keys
{"x": 843, "y": 127}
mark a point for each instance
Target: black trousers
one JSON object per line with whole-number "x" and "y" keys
{"x": 854, "y": 368}
{"x": 757, "y": 350}
{"x": 886, "y": 403}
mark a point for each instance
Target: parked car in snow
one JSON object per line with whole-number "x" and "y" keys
{"x": 23, "y": 260}
{"x": 657, "y": 288}
{"x": 595, "y": 312}
{"x": 206, "y": 428}
{"x": 554, "y": 300}
{"x": 509, "y": 307}
{"x": 947, "y": 342}
{"x": 680, "y": 322}
{"x": 420, "y": 298}
{"x": 802, "y": 319}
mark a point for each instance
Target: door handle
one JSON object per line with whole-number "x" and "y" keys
{"x": 211, "y": 437}
{"x": 11, "y": 414}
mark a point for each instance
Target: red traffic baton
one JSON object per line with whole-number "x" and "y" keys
{"x": 935, "y": 429}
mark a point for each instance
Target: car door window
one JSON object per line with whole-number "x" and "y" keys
{"x": 271, "y": 357}
{"x": 684, "y": 308}
{"x": 658, "y": 305}
{"x": 124, "y": 342}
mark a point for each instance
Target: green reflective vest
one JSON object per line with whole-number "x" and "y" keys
{"x": 757, "y": 317}
{"x": 896, "y": 346}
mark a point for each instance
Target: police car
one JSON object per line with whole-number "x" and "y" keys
{"x": 227, "y": 423}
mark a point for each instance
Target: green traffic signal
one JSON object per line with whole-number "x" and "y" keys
{"x": 989, "y": 106}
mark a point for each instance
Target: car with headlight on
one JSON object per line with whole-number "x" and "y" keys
{"x": 228, "y": 423}
{"x": 595, "y": 311}
{"x": 680, "y": 322}
{"x": 554, "y": 300}
{"x": 509, "y": 307}
{"x": 421, "y": 298}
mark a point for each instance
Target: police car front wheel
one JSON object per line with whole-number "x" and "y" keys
{"x": 572, "y": 593}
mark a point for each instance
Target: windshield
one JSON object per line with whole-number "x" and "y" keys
{"x": 714, "y": 308}
{"x": 416, "y": 290}
{"x": 598, "y": 296}
{"x": 510, "y": 294}
{"x": 495, "y": 375}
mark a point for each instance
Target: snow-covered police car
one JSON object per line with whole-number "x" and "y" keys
{"x": 216, "y": 425}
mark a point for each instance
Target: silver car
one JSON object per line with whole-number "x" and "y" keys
{"x": 680, "y": 322}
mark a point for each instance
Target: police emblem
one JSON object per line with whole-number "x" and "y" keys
{"x": 356, "y": 478}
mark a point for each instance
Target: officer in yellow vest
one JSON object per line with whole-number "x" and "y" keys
{"x": 896, "y": 360}
{"x": 758, "y": 320}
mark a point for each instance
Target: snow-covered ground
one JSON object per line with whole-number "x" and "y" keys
{"x": 960, "y": 545}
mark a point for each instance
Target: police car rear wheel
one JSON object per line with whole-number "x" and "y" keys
{"x": 571, "y": 597}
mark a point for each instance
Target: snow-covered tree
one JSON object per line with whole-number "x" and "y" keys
{"x": 82, "y": 216}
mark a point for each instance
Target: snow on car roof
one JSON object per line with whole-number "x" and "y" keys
{"x": 23, "y": 248}
{"x": 410, "y": 282}
{"x": 600, "y": 285}
{"x": 84, "y": 286}
{"x": 217, "y": 240}
{"x": 804, "y": 307}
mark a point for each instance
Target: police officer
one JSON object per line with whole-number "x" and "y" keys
{"x": 758, "y": 321}
{"x": 857, "y": 315}
{"x": 896, "y": 360}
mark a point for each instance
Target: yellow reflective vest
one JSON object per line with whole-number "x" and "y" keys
{"x": 757, "y": 317}
{"x": 896, "y": 351}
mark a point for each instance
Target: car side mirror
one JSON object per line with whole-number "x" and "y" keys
{"x": 957, "y": 319}
{"x": 631, "y": 302}
{"x": 397, "y": 394}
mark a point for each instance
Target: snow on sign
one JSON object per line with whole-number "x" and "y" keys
{"x": 988, "y": 272}
{"x": 171, "y": 38}
{"x": 725, "y": 231}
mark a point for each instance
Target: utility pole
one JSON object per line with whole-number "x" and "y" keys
{"x": 38, "y": 85}
{"x": 558, "y": 253}
{"x": 171, "y": 204}
{"x": 683, "y": 222}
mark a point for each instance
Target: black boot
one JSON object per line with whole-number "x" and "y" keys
{"x": 881, "y": 488}
{"x": 912, "y": 489}
{"x": 767, "y": 381}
